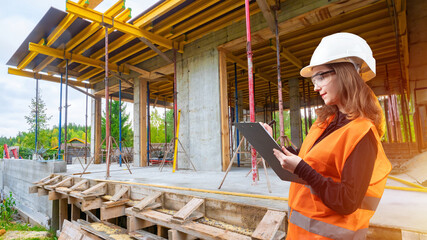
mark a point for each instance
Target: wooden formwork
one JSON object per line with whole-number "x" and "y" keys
{"x": 151, "y": 213}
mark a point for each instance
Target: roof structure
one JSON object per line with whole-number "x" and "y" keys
{"x": 78, "y": 35}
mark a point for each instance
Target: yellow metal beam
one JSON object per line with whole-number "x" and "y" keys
{"x": 40, "y": 49}
{"x": 220, "y": 23}
{"x": 157, "y": 11}
{"x": 202, "y": 18}
{"x": 182, "y": 15}
{"x": 28, "y": 74}
{"x": 89, "y": 74}
{"x": 121, "y": 26}
{"x": 56, "y": 33}
{"x": 116, "y": 9}
{"x": 287, "y": 55}
{"x": 93, "y": 36}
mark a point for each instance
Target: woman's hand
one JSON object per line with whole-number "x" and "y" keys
{"x": 267, "y": 127}
{"x": 288, "y": 160}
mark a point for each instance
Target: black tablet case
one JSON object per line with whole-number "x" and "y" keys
{"x": 261, "y": 140}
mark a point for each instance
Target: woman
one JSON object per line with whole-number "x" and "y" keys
{"x": 341, "y": 159}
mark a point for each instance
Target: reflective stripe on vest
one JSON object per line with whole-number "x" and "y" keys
{"x": 325, "y": 229}
{"x": 368, "y": 203}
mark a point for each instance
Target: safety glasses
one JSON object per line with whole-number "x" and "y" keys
{"x": 319, "y": 79}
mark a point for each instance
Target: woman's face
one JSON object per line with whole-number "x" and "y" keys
{"x": 325, "y": 82}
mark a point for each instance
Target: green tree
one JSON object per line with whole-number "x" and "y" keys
{"x": 127, "y": 133}
{"x": 37, "y": 109}
{"x": 42, "y": 118}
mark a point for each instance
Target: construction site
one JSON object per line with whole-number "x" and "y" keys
{"x": 214, "y": 63}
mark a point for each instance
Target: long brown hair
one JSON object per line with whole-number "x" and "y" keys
{"x": 357, "y": 98}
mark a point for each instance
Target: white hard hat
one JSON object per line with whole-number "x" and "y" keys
{"x": 343, "y": 47}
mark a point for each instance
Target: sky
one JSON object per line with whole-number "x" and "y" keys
{"x": 17, "y": 20}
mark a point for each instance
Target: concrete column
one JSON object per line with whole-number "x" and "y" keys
{"x": 140, "y": 123}
{"x": 198, "y": 85}
{"x": 295, "y": 112}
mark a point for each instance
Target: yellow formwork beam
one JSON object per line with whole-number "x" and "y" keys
{"x": 89, "y": 74}
{"x": 95, "y": 36}
{"x": 182, "y": 15}
{"x": 220, "y": 23}
{"x": 204, "y": 17}
{"x": 111, "y": 47}
{"x": 40, "y": 49}
{"x": 121, "y": 26}
{"x": 116, "y": 9}
{"x": 157, "y": 11}
{"x": 56, "y": 33}
{"x": 29, "y": 74}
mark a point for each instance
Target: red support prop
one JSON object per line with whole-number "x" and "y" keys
{"x": 251, "y": 86}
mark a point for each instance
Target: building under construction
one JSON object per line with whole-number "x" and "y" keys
{"x": 192, "y": 56}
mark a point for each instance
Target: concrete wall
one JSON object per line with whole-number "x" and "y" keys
{"x": 416, "y": 22}
{"x": 17, "y": 176}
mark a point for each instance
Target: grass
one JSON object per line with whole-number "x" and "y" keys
{"x": 14, "y": 226}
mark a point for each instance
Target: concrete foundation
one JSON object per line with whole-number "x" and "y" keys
{"x": 18, "y": 175}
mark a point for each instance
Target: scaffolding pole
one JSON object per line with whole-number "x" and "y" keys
{"x": 107, "y": 113}
{"x": 251, "y": 86}
{"x": 66, "y": 111}
{"x": 120, "y": 122}
{"x": 37, "y": 115}
{"x": 60, "y": 120}
{"x": 279, "y": 84}
{"x": 236, "y": 111}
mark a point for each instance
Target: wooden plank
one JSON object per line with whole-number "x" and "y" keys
{"x": 143, "y": 235}
{"x": 89, "y": 214}
{"x": 63, "y": 211}
{"x": 123, "y": 192}
{"x": 188, "y": 209}
{"x": 192, "y": 228}
{"x": 104, "y": 230}
{"x": 55, "y": 195}
{"x": 33, "y": 189}
{"x": 134, "y": 223}
{"x": 98, "y": 189}
{"x": 70, "y": 231}
{"x": 43, "y": 179}
{"x": 91, "y": 204}
{"x": 269, "y": 225}
{"x": 192, "y": 217}
{"x": 147, "y": 200}
{"x": 114, "y": 204}
{"x": 42, "y": 192}
{"x": 67, "y": 182}
{"x": 63, "y": 190}
{"x": 83, "y": 184}
{"x": 75, "y": 212}
{"x": 112, "y": 212}
{"x": 52, "y": 180}
{"x": 225, "y": 142}
{"x": 177, "y": 235}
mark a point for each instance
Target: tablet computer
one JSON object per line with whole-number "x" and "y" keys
{"x": 261, "y": 140}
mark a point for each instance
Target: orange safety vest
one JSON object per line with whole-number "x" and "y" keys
{"x": 309, "y": 218}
